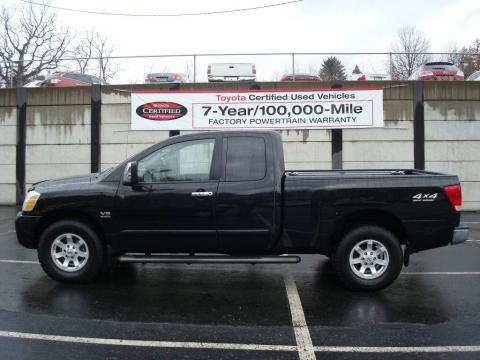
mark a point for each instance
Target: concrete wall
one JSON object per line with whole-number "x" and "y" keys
{"x": 452, "y": 135}
{"x": 8, "y": 138}
{"x": 388, "y": 147}
{"x": 58, "y": 133}
{"x": 118, "y": 142}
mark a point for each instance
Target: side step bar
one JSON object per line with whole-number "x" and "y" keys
{"x": 209, "y": 259}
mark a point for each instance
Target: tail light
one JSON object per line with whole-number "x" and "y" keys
{"x": 254, "y": 70}
{"x": 460, "y": 73}
{"x": 209, "y": 70}
{"x": 454, "y": 195}
{"x": 176, "y": 77}
{"x": 149, "y": 77}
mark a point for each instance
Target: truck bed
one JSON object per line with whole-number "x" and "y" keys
{"x": 318, "y": 202}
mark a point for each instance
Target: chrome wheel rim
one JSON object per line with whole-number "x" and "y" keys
{"x": 69, "y": 252}
{"x": 369, "y": 259}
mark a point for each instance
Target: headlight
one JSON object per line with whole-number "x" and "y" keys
{"x": 30, "y": 200}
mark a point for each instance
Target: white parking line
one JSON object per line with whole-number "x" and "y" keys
{"x": 398, "y": 349}
{"x": 18, "y": 261}
{"x": 234, "y": 346}
{"x": 7, "y": 232}
{"x": 440, "y": 273}
{"x": 302, "y": 335}
{"x": 470, "y": 222}
{"x": 147, "y": 343}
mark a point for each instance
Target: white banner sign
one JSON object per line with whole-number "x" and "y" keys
{"x": 263, "y": 109}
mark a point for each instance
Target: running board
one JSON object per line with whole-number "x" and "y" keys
{"x": 209, "y": 259}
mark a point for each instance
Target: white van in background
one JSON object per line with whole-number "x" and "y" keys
{"x": 231, "y": 72}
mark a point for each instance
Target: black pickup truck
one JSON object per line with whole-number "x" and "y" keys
{"x": 225, "y": 197}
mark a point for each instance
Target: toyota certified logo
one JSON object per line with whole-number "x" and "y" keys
{"x": 161, "y": 111}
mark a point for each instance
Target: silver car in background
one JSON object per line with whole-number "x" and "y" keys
{"x": 166, "y": 78}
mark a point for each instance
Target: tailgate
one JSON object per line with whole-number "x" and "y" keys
{"x": 232, "y": 70}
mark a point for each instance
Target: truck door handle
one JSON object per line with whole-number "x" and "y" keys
{"x": 202, "y": 193}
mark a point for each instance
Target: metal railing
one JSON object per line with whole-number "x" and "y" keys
{"x": 272, "y": 63}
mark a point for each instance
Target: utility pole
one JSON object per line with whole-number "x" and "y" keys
{"x": 101, "y": 68}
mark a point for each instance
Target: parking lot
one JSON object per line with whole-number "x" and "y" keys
{"x": 241, "y": 311}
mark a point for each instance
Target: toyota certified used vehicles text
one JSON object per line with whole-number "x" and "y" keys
{"x": 231, "y": 72}
{"x": 439, "y": 70}
{"x": 228, "y": 193}
{"x": 63, "y": 79}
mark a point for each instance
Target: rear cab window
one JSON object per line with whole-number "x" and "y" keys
{"x": 246, "y": 158}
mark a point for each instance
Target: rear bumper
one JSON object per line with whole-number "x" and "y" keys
{"x": 460, "y": 234}
{"x": 25, "y": 226}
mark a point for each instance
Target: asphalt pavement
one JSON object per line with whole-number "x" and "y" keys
{"x": 241, "y": 311}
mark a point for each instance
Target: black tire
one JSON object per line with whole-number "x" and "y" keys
{"x": 93, "y": 264}
{"x": 352, "y": 279}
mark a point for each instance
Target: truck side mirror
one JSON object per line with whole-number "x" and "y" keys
{"x": 130, "y": 174}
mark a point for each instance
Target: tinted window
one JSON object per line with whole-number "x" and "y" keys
{"x": 79, "y": 77}
{"x": 185, "y": 161}
{"x": 441, "y": 66}
{"x": 245, "y": 158}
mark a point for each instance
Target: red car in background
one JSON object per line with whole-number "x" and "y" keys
{"x": 63, "y": 79}
{"x": 300, "y": 77}
{"x": 438, "y": 70}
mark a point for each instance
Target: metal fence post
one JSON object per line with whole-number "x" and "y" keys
{"x": 21, "y": 144}
{"x": 174, "y": 132}
{"x": 337, "y": 138}
{"x": 95, "y": 127}
{"x": 293, "y": 67}
{"x": 418, "y": 126}
{"x": 194, "y": 68}
{"x": 391, "y": 66}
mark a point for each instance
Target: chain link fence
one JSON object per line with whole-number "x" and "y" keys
{"x": 133, "y": 69}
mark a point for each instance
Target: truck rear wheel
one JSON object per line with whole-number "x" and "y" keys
{"x": 368, "y": 258}
{"x": 70, "y": 251}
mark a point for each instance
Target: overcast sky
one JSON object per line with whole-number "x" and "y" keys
{"x": 308, "y": 26}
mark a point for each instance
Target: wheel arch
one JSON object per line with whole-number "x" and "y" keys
{"x": 375, "y": 217}
{"x": 59, "y": 215}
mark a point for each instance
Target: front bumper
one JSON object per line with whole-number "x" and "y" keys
{"x": 460, "y": 234}
{"x": 25, "y": 226}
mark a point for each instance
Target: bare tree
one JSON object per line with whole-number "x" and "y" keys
{"x": 92, "y": 54}
{"x": 30, "y": 42}
{"x": 83, "y": 51}
{"x": 469, "y": 60}
{"x": 103, "y": 51}
{"x": 412, "y": 45}
{"x": 453, "y": 54}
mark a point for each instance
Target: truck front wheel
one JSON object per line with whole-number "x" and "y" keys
{"x": 368, "y": 258}
{"x": 70, "y": 251}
